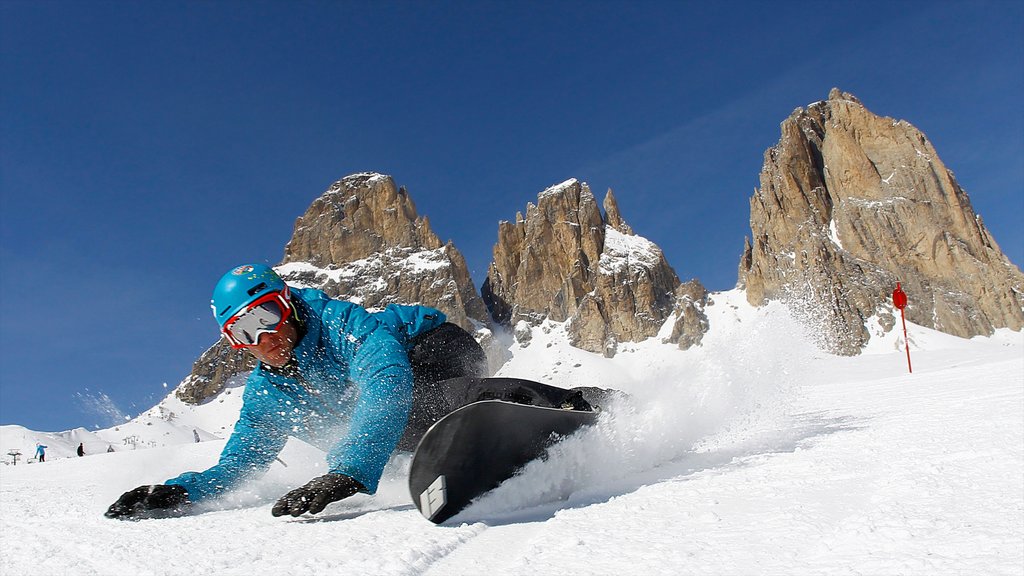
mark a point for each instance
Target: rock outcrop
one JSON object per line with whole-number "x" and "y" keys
{"x": 563, "y": 262}
{"x": 363, "y": 241}
{"x": 851, "y": 202}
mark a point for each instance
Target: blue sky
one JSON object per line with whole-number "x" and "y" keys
{"x": 147, "y": 147}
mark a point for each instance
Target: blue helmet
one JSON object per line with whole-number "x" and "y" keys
{"x": 240, "y": 286}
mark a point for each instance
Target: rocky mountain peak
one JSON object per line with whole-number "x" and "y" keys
{"x": 849, "y": 203}
{"x": 835, "y": 94}
{"x": 357, "y": 217}
{"x": 566, "y": 262}
{"x": 362, "y": 240}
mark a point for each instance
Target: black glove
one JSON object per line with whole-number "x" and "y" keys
{"x": 317, "y": 494}
{"x": 157, "y": 501}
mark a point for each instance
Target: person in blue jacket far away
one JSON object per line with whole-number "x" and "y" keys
{"x": 354, "y": 383}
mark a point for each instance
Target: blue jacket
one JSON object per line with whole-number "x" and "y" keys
{"x": 350, "y": 397}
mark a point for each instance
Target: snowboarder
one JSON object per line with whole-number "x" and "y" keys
{"x": 81, "y": 449}
{"x": 41, "y": 452}
{"x": 354, "y": 383}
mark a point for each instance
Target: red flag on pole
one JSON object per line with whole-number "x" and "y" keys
{"x": 899, "y": 300}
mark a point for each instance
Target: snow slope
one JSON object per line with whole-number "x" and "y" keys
{"x": 752, "y": 454}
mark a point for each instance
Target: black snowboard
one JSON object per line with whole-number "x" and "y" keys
{"x": 475, "y": 448}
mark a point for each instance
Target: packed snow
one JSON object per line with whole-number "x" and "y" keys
{"x": 753, "y": 453}
{"x": 558, "y": 189}
{"x": 407, "y": 259}
{"x": 833, "y": 234}
{"x": 627, "y": 252}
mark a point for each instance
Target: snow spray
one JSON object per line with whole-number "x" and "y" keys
{"x": 728, "y": 398}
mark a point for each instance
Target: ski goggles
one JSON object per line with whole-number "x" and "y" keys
{"x": 264, "y": 314}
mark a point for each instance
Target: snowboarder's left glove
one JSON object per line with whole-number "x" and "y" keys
{"x": 157, "y": 501}
{"x": 317, "y": 494}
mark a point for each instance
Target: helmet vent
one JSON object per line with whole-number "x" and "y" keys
{"x": 257, "y": 288}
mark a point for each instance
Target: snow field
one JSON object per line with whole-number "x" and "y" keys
{"x": 897, "y": 475}
{"x": 751, "y": 454}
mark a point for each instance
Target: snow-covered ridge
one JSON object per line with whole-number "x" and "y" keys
{"x": 558, "y": 189}
{"x": 359, "y": 178}
{"x": 170, "y": 423}
{"x": 369, "y": 275}
{"x": 622, "y": 251}
{"x": 408, "y": 260}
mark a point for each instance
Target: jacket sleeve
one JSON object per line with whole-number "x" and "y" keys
{"x": 379, "y": 368}
{"x": 408, "y": 322}
{"x": 249, "y": 452}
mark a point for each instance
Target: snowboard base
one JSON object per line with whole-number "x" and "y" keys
{"x": 475, "y": 448}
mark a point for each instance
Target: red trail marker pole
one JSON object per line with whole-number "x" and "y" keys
{"x": 899, "y": 300}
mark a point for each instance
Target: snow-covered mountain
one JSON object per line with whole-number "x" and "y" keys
{"x": 170, "y": 423}
{"x": 753, "y": 453}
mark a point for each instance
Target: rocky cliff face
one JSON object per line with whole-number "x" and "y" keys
{"x": 851, "y": 202}
{"x": 563, "y": 261}
{"x": 363, "y": 241}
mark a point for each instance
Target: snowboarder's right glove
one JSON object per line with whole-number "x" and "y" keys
{"x": 157, "y": 501}
{"x": 317, "y": 494}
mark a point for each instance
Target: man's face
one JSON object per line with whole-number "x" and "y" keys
{"x": 275, "y": 348}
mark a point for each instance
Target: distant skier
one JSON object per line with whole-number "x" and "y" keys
{"x": 195, "y": 434}
{"x": 110, "y": 448}
{"x": 41, "y": 452}
{"x": 81, "y": 450}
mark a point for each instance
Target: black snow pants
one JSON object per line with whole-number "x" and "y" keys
{"x": 449, "y": 370}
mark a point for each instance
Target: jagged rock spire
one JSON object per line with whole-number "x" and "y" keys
{"x": 851, "y": 202}
{"x": 563, "y": 261}
{"x": 612, "y": 217}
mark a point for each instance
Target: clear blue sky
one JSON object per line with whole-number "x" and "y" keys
{"x": 149, "y": 146}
